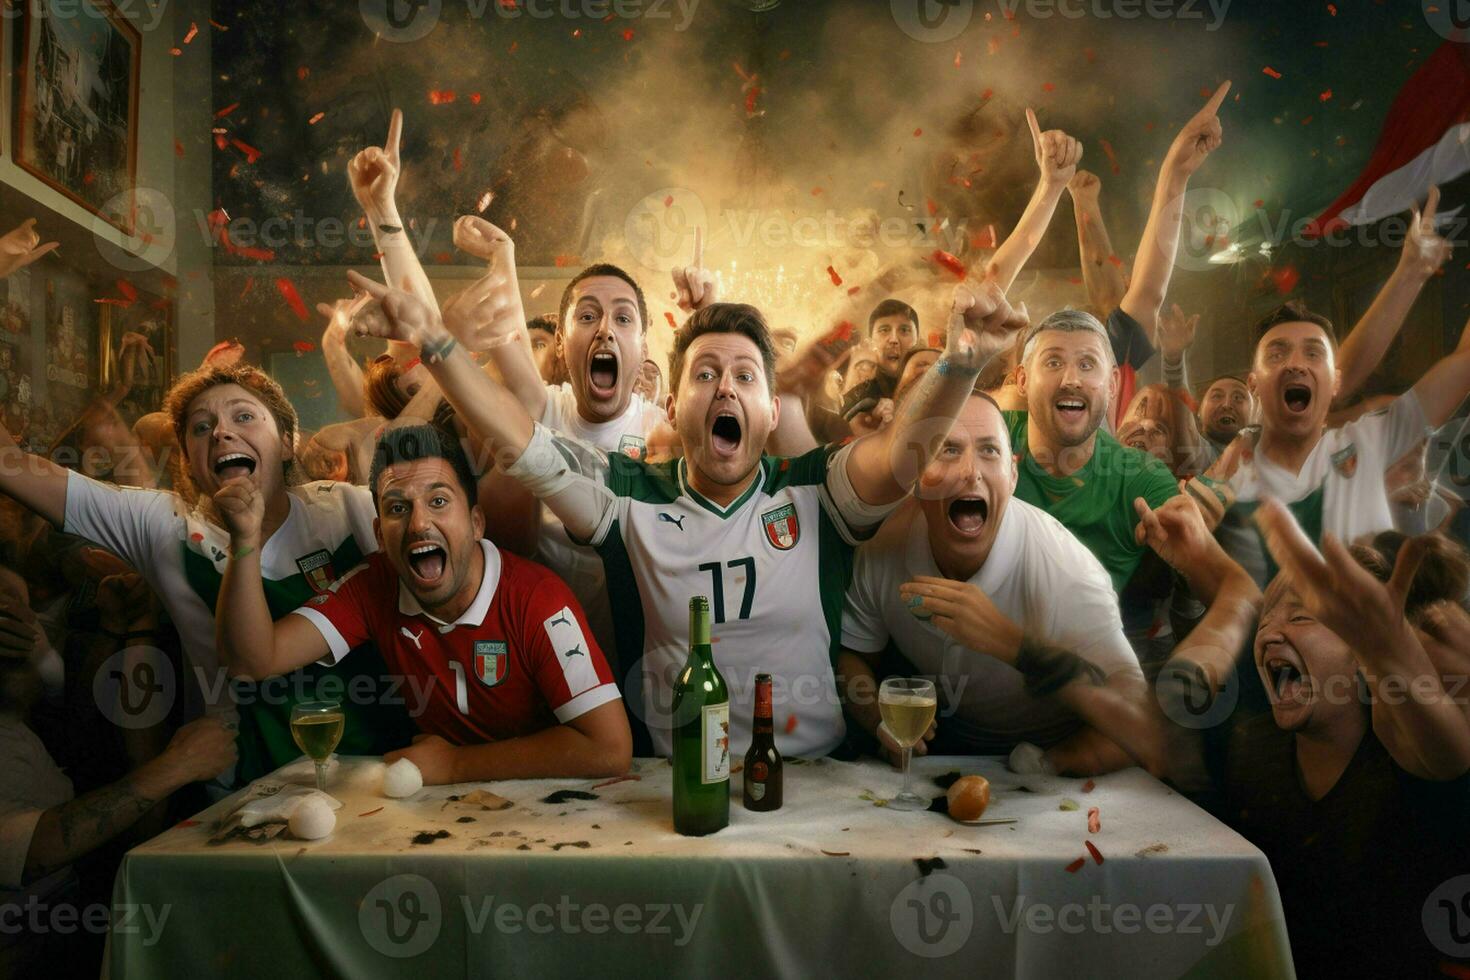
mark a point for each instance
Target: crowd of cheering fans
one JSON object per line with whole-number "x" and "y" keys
{"x": 1249, "y": 586}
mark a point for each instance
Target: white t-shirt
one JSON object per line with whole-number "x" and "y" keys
{"x": 182, "y": 556}
{"x": 1339, "y": 488}
{"x": 1038, "y": 575}
{"x": 578, "y": 566}
{"x": 30, "y": 784}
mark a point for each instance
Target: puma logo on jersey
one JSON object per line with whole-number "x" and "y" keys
{"x": 560, "y": 620}
{"x": 671, "y": 519}
{"x": 576, "y": 651}
{"x": 416, "y": 638}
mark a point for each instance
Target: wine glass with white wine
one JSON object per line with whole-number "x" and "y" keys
{"x": 317, "y": 728}
{"x": 907, "y": 705}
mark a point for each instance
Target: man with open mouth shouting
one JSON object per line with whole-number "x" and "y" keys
{"x": 516, "y": 687}
{"x": 960, "y": 579}
{"x": 769, "y": 540}
{"x": 1332, "y": 480}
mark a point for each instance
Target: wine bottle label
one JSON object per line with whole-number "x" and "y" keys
{"x": 716, "y": 742}
{"x": 757, "y": 790}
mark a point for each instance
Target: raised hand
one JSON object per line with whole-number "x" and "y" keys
{"x": 1199, "y": 138}
{"x": 805, "y": 368}
{"x": 483, "y": 240}
{"x": 396, "y": 315}
{"x": 135, "y": 358}
{"x": 1085, "y": 187}
{"x": 694, "y": 285}
{"x": 1057, "y": 154}
{"x": 374, "y": 171}
{"x": 486, "y": 313}
{"x": 241, "y": 509}
{"x": 1424, "y": 250}
{"x": 1176, "y": 331}
{"x": 225, "y": 354}
{"x": 982, "y": 323}
{"x": 21, "y": 246}
{"x": 1341, "y": 594}
{"x": 200, "y": 750}
{"x": 1177, "y": 533}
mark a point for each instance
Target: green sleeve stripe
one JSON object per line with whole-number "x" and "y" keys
{"x": 808, "y": 469}
{"x": 644, "y": 482}
{"x": 623, "y": 596}
{"x": 835, "y": 561}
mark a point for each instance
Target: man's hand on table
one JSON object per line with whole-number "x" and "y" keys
{"x": 434, "y": 757}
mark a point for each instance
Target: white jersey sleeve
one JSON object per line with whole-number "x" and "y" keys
{"x": 570, "y": 477}
{"x": 856, "y": 520}
{"x": 863, "y": 629}
{"x": 127, "y": 521}
{"x": 1395, "y": 429}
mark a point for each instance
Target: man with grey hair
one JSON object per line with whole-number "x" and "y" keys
{"x": 1068, "y": 464}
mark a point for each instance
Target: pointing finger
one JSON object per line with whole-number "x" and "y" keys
{"x": 1213, "y": 106}
{"x": 1035, "y": 127}
{"x": 699, "y": 246}
{"x": 395, "y": 134}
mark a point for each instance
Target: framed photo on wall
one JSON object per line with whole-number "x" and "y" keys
{"x": 151, "y": 316}
{"x": 77, "y": 128}
{"x": 70, "y": 362}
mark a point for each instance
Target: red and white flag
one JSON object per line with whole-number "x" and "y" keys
{"x": 1425, "y": 142}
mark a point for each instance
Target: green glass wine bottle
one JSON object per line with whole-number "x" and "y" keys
{"x": 701, "y": 714}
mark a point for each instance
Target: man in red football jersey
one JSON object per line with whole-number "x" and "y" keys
{"x": 517, "y": 686}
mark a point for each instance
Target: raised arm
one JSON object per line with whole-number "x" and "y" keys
{"x": 20, "y": 246}
{"x": 373, "y": 175}
{"x": 1426, "y": 732}
{"x": 343, "y": 368}
{"x": 33, "y": 480}
{"x": 1102, "y": 275}
{"x": 884, "y": 466}
{"x": 1423, "y": 254}
{"x": 491, "y": 311}
{"x": 1445, "y": 385}
{"x": 492, "y": 412}
{"x": 1155, "y": 261}
{"x": 1057, "y": 156}
{"x": 250, "y": 645}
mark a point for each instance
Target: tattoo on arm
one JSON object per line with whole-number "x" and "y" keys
{"x": 89, "y": 821}
{"x": 390, "y": 229}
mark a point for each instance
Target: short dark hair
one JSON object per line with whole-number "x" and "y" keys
{"x": 593, "y": 271}
{"x": 407, "y": 443}
{"x": 546, "y": 323}
{"x": 1294, "y": 311}
{"x": 892, "y": 307}
{"x": 741, "y": 318}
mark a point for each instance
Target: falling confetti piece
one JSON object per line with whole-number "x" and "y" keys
{"x": 302, "y": 73}
{"x": 854, "y": 290}
{"x": 931, "y": 207}
{"x": 790, "y": 724}
{"x": 1107, "y": 149}
{"x": 441, "y": 97}
{"x": 304, "y": 346}
{"x": 919, "y": 131}
{"x": 562, "y": 261}
{"x": 220, "y": 114}
{"x": 670, "y": 317}
{"x": 1076, "y": 865}
{"x": 1285, "y": 279}
{"x": 816, "y": 192}
{"x": 371, "y": 812}
{"x": 832, "y": 274}
{"x": 1094, "y": 820}
{"x": 1332, "y": 9}
{"x": 983, "y": 239}
{"x": 178, "y": 148}
{"x": 293, "y": 299}
{"x": 457, "y": 159}
{"x": 127, "y": 289}
{"x": 175, "y": 51}
{"x": 957, "y": 59}
{"x": 954, "y": 265}
{"x": 1268, "y": 70}
{"x": 484, "y": 201}
{"x": 1092, "y": 849}
{"x": 1048, "y": 87}
{"x": 750, "y": 98}
{"x": 628, "y": 34}
{"x": 251, "y": 153}
{"x": 1259, "y": 203}
{"x": 315, "y": 119}
{"x": 1325, "y": 96}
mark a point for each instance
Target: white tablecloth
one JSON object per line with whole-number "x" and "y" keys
{"x": 831, "y": 884}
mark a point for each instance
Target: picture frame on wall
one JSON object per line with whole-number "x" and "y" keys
{"x": 152, "y": 316}
{"x": 69, "y": 353}
{"x": 77, "y": 125}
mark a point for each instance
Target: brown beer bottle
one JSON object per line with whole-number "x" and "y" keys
{"x": 763, "y": 762}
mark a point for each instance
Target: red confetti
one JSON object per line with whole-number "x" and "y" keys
{"x": 220, "y": 114}
{"x": 249, "y": 284}
{"x": 1259, "y": 202}
{"x": 816, "y": 191}
{"x": 1325, "y": 96}
{"x": 843, "y": 331}
{"x": 475, "y": 98}
{"x": 513, "y": 46}
{"x": 220, "y": 141}
{"x": 441, "y": 97}
{"x": 628, "y": 34}
{"x": 315, "y": 119}
{"x": 175, "y": 51}
{"x": 292, "y": 298}
{"x": 1090, "y": 55}
{"x": 1092, "y": 849}
{"x": 458, "y": 161}
{"x": 304, "y": 346}
{"x": 577, "y": 32}
{"x": 832, "y": 274}
{"x": 1090, "y": 785}
{"x": 670, "y": 317}
{"x": 668, "y": 200}
{"x": 790, "y": 724}
{"x": 1116, "y": 261}
{"x": 954, "y": 265}
{"x": 1332, "y": 9}
{"x": 1268, "y": 70}
{"x": 562, "y": 261}
{"x": 932, "y": 208}
{"x": 983, "y": 239}
{"x": 127, "y": 289}
{"x": 1094, "y": 821}
{"x": 303, "y": 73}
{"x": 371, "y": 812}
{"x": 1076, "y": 865}
{"x": 919, "y": 131}
{"x": 251, "y": 153}
{"x": 956, "y": 59}
{"x": 178, "y": 148}
{"x": 1048, "y": 87}
{"x": 218, "y": 26}
{"x": 750, "y": 97}
{"x": 1107, "y": 149}
{"x": 1285, "y": 278}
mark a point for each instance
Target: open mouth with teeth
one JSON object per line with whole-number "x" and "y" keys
{"x": 725, "y": 434}
{"x": 1287, "y": 680}
{"x": 967, "y": 515}
{"x": 602, "y": 373}
{"x": 1297, "y": 398}
{"x": 427, "y": 561}
{"x": 231, "y": 465}
{"x": 1225, "y": 420}
{"x": 1071, "y": 409}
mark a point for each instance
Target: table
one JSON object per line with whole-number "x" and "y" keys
{"x": 830, "y": 885}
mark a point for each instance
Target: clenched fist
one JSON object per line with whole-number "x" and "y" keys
{"x": 241, "y": 509}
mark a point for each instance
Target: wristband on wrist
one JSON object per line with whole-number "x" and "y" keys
{"x": 436, "y": 353}
{"x": 242, "y": 552}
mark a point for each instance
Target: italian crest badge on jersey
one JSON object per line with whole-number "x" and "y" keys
{"x": 634, "y": 447}
{"x": 782, "y": 530}
{"x": 491, "y": 658}
{"x": 1345, "y": 461}
{"x": 316, "y": 568}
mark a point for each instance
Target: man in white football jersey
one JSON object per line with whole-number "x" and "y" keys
{"x": 769, "y": 540}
